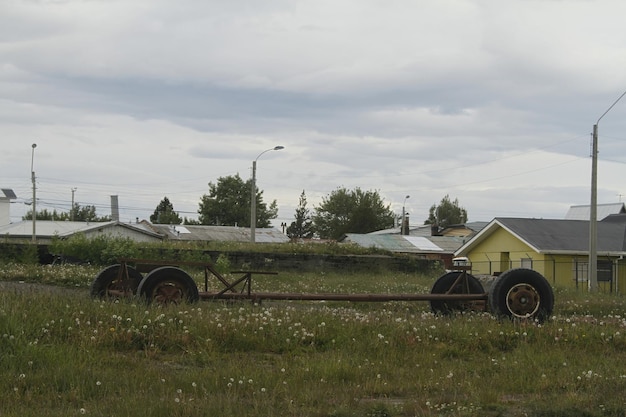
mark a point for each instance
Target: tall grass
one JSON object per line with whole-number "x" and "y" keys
{"x": 65, "y": 354}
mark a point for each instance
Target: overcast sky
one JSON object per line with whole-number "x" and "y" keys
{"x": 490, "y": 102}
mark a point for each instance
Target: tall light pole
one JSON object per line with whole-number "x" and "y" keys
{"x": 253, "y": 194}
{"x": 32, "y": 177}
{"x": 402, "y": 227}
{"x": 592, "y": 270}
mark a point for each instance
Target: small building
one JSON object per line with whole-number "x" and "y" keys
{"x": 6, "y": 195}
{"x": 438, "y": 248}
{"x": 583, "y": 212}
{"x": 46, "y": 230}
{"x": 558, "y": 249}
{"x": 202, "y": 233}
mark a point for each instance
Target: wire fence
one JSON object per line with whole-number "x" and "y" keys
{"x": 571, "y": 272}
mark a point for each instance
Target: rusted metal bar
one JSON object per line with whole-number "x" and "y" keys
{"x": 230, "y": 292}
{"x": 341, "y": 297}
{"x": 231, "y": 287}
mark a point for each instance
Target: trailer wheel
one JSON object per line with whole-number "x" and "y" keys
{"x": 455, "y": 283}
{"x": 109, "y": 282}
{"x": 521, "y": 294}
{"x": 168, "y": 285}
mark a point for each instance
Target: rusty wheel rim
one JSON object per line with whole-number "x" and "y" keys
{"x": 169, "y": 292}
{"x": 523, "y": 300}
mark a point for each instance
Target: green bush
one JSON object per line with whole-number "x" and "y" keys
{"x": 101, "y": 250}
{"x": 24, "y": 254}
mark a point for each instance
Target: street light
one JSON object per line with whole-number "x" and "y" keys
{"x": 253, "y": 194}
{"x": 592, "y": 271}
{"x": 32, "y": 177}
{"x": 402, "y": 227}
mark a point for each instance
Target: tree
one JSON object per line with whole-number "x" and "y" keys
{"x": 81, "y": 214}
{"x": 302, "y": 227}
{"x": 446, "y": 213}
{"x": 355, "y": 211}
{"x": 87, "y": 214}
{"x": 165, "y": 214}
{"x": 228, "y": 203}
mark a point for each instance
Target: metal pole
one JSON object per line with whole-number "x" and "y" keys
{"x": 253, "y": 204}
{"x": 32, "y": 177}
{"x": 592, "y": 272}
{"x": 253, "y": 194}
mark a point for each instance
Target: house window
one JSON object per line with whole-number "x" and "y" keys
{"x": 526, "y": 263}
{"x": 580, "y": 271}
{"x": 605, "y": 271}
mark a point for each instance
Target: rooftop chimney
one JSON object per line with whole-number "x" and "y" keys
{"x": 115, "y": 209}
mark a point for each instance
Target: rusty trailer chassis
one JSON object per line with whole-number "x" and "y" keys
{"x": 517, "y": 293}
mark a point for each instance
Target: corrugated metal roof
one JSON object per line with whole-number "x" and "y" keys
{"x": 48, "y": 229}
{"x": 219, "y": 233}
{"x": 603, "y": 210}
{"x": 405, "y": 244}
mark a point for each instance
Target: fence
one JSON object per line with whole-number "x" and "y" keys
{"x": 568, "y": 272}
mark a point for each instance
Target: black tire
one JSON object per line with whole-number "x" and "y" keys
{"x": 447, "y": 284}
{"x": 110, "y": 282}
{"x": 168, "y": 285}
{"x": 521, "y": 294}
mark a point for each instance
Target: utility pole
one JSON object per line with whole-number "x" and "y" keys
{"x": 592, "y": 271}
{"x": 32, "y": 177}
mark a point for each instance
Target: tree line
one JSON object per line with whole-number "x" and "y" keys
{"x": 228, "y": 204}
{"x": 342, "y": 211}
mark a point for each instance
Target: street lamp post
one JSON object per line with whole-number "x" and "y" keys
{"x": 32, "y": 177}
{"x": 592, "y": 270}
{"x": 402, "y": 226}
{"x": 253, "y": 194}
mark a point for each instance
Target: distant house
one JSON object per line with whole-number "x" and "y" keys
{"x": 143, "y": 231}
{"x": 45, "y": 230}
{"x": 463, "y": 230}
{"x": 420, "y": 242}
{"x": 217, "y": 233}
{"x": 425, "y": 247}
{"x": 602, "y": 211}
{"x": 6, "y": 195}
{"x": 558, "y": 249}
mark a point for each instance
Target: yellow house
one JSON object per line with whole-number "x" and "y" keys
{"x": 558, "y": 249}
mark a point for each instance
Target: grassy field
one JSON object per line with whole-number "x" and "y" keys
{"x": 63, "y": 354}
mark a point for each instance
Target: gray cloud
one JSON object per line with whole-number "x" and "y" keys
{"x": 492, "y": 103}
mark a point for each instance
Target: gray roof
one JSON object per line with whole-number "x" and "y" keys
{"x": 405, "y": 244}
{"x": 219, "y": 233}
{"x": 8, "y": 194}
{"x": 421, "y": 230}
{"x": 603, "y": 210}
{"x": 558, "y": 236}
{"x": 48, "y": 229}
